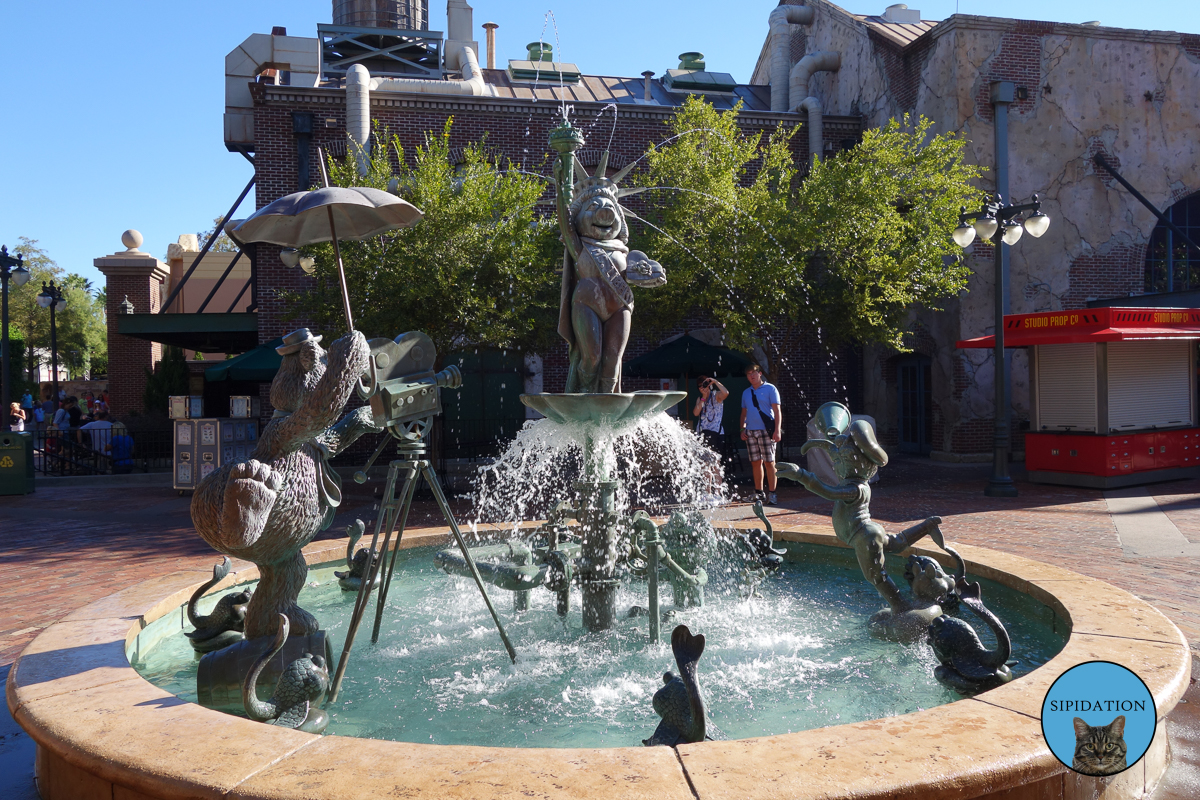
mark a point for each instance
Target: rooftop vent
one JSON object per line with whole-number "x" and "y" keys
{"x": 1094, "y": 23}
{"x": 901, "y": 13}
{"x": 541, "y": 67}
{"x": 408, "y": 15}
{"x": 693, "y": 78}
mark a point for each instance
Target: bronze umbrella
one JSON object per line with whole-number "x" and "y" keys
{"x": 325, "y": 215}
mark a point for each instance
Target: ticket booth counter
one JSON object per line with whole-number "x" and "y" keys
{"x": 1113, "y": 394}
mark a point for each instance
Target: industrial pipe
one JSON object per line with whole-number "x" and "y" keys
{"x": 780, "y": 49}
{"x": 821, "y": 61}
{"x": 816, "y": 128}
{"x": 358, "y": 112}
{"x": 472, "y": 82}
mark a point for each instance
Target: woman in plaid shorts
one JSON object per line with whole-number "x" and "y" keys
{"x": 762, "y": 428}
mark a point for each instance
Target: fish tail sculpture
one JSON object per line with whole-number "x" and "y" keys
{"x": 680, "y": 702}
{"x": 967, "y": 665}
{"x": 300, "y": 686}
{"x": 224, "y": 625}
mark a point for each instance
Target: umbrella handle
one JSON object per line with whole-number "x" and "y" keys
{"x": 337, "y": 251}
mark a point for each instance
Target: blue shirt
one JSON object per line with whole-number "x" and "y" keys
{"x": 122, "y": 450}
{"x": 767, "y": 395}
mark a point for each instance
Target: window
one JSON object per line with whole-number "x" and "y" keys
{"x": 1171, "y": 265}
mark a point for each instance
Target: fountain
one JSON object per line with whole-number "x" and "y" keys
{"x": 99, "y": 725}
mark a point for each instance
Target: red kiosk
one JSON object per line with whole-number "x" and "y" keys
{"x": 1113, "y": 394}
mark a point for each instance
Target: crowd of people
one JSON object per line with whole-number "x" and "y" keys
{"x": 74, "y": 430}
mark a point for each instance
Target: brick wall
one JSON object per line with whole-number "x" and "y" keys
{"x": 129, "y": 358}
{"x": 902, "y": 67}
{"x": 1019, "y": 60}
{"x": 1116, "y": 272}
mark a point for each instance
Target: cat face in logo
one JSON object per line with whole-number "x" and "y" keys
{"x": 1100, "y": 749}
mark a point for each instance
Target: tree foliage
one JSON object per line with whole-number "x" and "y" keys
{"x": 850, "y": 249}
{"x": 82, "y": 331}
{"x": 223, "y": 244}
{"x": 478, "y": 270}
{"x": 169, "y": 377}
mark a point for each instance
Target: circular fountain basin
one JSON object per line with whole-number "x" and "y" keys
{"x": 103, "y": 730}
{"x": 795, "y": 657}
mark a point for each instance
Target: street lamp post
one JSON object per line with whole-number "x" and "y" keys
{"x": 13, "y": 268}
{"x": 51, "y": 297}
{"x": 998, "y": 224}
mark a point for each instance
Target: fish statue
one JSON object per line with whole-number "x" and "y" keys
{"x": 680, "y": 702}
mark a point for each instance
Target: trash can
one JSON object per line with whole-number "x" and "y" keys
{"x": 16, "y": 463}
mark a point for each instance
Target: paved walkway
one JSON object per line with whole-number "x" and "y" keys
{"x": 66, "y": 546}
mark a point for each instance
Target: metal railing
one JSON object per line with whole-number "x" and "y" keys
{"x": 99, "y": 451}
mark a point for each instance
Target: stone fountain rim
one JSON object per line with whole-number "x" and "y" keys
{"x": 98, "y": 723}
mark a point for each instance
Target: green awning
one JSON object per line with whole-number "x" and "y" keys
{"x": 686, "y": 356}
{"x": 208, "y": 333}
{"x": 259, "y": 364}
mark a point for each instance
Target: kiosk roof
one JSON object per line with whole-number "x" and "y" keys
{"x": 1094, "y": 325}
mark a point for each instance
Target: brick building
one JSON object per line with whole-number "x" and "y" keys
{"x": 1079, "y": 90}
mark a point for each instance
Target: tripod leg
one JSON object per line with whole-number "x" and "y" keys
{"x": 432, "y": 480}
{"x": 383, "y": 521}
{"x": 410, "y": 488}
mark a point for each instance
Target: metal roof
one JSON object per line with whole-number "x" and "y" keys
{"x": 606, "y": 89}
{"x": 900, "y": 33}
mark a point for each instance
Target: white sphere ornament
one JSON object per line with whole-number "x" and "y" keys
{"x": 132, "y": 240}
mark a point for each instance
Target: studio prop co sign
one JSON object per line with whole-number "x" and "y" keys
{"x": 1094, "y": 325}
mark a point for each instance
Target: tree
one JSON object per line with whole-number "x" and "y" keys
{"x": 849, "y": 249}
{"x": 477, "y": 270}
{"x": 81, "y": 327}
{"x": 223, "y": 244}
{"x": 169, "y": 377}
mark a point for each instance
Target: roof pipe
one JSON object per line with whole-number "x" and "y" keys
{"x": 816, "y": 128}
{"x": 472, "y": 82}
{"x": 780, "y": 38}
{"x": 821, "y": 61}
{"x": 358, "y": 113}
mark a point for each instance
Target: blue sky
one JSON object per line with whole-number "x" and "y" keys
{"x": 112, "y": 110}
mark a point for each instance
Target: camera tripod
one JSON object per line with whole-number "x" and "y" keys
{"x": 414, "y": 463}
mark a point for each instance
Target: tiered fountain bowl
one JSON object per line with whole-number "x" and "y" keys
{"x": 607, "y": 411}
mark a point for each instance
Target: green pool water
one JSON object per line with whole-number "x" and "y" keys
{"x": 796, "y": 657}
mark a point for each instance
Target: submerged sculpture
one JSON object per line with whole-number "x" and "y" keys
{"x": 596, "y": 306}
{"x": 267, "y": 508}
{"x": 223, "y": 625}
{"x": 760, "y": 556}
{"x": 680, "y": 702}
{"x": 967, "y": 665}
{"x": 300, "y": 688}
{"x": 359, "y": 563}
